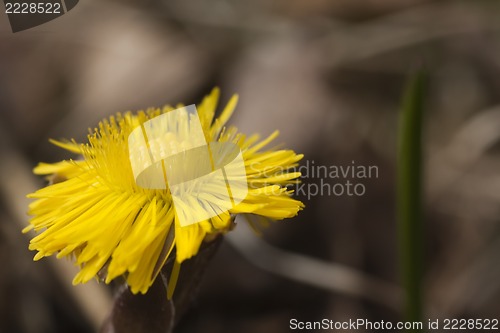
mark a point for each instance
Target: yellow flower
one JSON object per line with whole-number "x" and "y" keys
{"x": 99, "y": 214}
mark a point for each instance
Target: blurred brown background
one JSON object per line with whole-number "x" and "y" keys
{"x": 329, "y": 75}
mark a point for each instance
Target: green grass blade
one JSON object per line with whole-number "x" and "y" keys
{"x": 409, "y": 182}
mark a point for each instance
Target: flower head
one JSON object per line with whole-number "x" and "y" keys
{"x": 100, "y": 215}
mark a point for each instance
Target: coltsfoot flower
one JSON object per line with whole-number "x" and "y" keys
{"x": 98, "y": 215}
